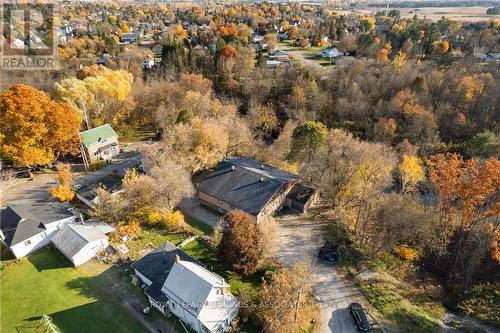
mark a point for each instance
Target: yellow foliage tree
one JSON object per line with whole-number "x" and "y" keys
{"x": 441, "y": 47}
{"x": 64, "y": 191}
{"x": 100, "y": 97}
{"x": 411, "y": 172}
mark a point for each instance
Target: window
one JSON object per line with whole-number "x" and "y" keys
{"x": 43, "y": 235}
{"x": 28, "y": 242}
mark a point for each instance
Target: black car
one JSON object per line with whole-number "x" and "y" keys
{"x": 360, "y": 318}
{"x": 329, "y": 253}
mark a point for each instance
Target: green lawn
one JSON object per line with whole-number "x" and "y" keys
{"x": 77, "y": 299}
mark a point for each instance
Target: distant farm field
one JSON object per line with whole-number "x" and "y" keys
{"x": 469, "y": 14}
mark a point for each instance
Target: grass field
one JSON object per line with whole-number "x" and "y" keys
{"x": 77, "y": 299}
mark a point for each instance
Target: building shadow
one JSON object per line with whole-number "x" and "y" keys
{"x": 48, "y": 258}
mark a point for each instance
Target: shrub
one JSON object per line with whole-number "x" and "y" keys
{"x": 406, "y": 252}
{"x": 130, "y": 228}
{"x": 152, "y": 217}
{"x": 174, "y": 221}
{"x": 99, "y": 164}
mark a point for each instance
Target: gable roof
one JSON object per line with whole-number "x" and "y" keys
{"x": 244, "y": 183}
{"x": 156, "y": 265}
{"x": 190, "y": 284}
{"x": 20, "y": 222}
{"x": 94, "y": 135}
{"x": 74, "y": 237}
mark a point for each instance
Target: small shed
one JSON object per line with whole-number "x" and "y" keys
{"x": 80, "y": 243}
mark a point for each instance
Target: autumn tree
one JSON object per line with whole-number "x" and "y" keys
{"x": 163, "y": 188}
{"x": 410, "y": 173}
{"x": 35, "y": 129}
{"x": 101, "y": 97}
{"x": 240, "y": 246}
{"x": 263, "y": 119}
{"x": 467, "y": 199}
{"x": 351, "y": 174}
{"x": 64, "y": 191}
{"x": 287, "y": 303}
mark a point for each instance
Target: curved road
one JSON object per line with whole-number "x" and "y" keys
{"x": 299, "y": 241}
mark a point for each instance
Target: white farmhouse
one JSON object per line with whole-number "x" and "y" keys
{"x": 177, "y": 283}
{"x": 80, "y": 243}
{"x": 25, "y": 228}
{"x": 200, "y": 297}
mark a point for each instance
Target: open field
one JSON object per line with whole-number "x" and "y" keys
{"x": 470, "y": 14}
{"x": 77, "y": 299}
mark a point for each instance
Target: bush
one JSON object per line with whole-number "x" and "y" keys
{"x": 152, "y": 217}
{"x": 99, "y": 164}
{"x": 407, "y": 253}
{"x": 483, "y": 302}
{"x": 174, "y": 221}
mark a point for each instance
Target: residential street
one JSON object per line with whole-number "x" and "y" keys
{"x": 299, "y": 241}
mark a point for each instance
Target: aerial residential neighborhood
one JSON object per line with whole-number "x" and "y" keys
{"x": 250, "y": 166}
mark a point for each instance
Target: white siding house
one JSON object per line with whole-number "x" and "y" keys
{"x": 25, "y": 228}
{"x": 80, "y": 243}
{"x": 200, "y": 298}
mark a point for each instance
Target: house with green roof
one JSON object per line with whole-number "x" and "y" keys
{"x": 100, "y": 143}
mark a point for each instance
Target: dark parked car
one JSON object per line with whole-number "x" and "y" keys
{"x": 360, "y": 318}
{"x": 329, "y": 253}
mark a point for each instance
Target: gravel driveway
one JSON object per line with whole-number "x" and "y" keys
{"x": 299, "y": 241}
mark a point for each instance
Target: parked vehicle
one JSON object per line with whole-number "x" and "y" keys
{"x": 360, "y": 318}
{"x": 329, "y": 253}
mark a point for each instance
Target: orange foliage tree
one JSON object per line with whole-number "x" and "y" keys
{"x": 240, "y": 247}
{"x": 64, "y": 191}
{"x": 35, "y": 130}
{"x": 468, "y": 200}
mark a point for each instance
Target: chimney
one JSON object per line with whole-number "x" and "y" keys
{"x": 232, "y": 167}
{"x": 261, "y": 179}
{"x": 262, "y": 166}
{"x": 177, "y": 259}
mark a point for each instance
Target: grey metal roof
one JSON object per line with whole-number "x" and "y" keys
{"x": 20, "y": 222}
{"x": 244, "y": 183}
{"x": 157, "y": 264}
{"x": 74, "y": 237}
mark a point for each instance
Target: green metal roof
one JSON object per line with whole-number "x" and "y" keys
{"x": 93, "y": 135}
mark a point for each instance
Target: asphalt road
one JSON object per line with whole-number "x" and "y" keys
{"x": 299, "y": 241}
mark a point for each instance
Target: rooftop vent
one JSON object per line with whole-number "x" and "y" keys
{"x": 261, "y": 179}
{"x": 262, "y": 166}
{"x": 232, "y": 167}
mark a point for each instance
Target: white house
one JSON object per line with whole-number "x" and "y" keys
{"x": 199, "y": 297}
{"x": 330, "y": 52}
{"x": 177, "y": 283}
{"x": 80, "y": 243}
{"x": 26, "y": 228}
{"x": 148, "y": 62}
